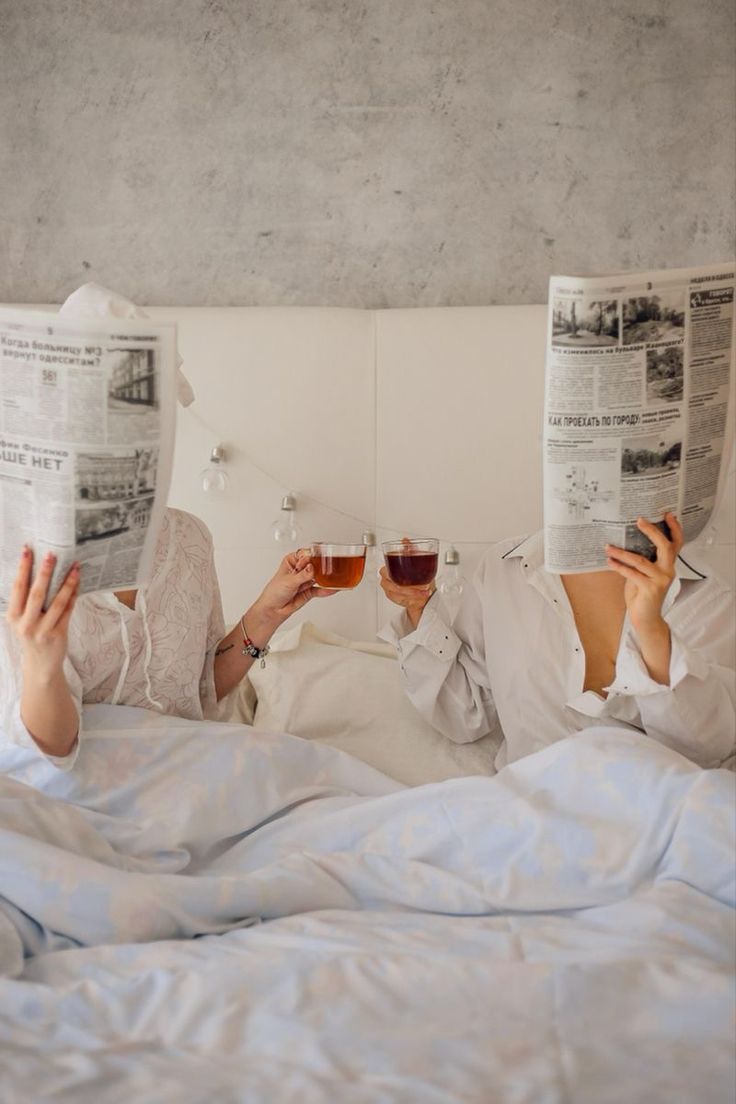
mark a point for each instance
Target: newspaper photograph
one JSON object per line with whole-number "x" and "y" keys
{"x": 87, "y": 417}
{"x": 639, "y": 377}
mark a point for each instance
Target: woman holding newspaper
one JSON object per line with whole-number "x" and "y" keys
{"x": 162, "y": 647}
{"x": 535, "y": 657}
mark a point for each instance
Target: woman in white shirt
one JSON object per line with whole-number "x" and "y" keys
{"x": 535, "y": 657}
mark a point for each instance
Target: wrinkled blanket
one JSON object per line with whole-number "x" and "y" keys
{"x": 603, "y": 865}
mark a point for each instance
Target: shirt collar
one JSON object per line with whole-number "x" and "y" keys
{"x": 530, "y": 549}
{"x": 688, "y": 566}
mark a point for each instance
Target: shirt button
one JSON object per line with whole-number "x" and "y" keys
{"x": 577, "y": 649}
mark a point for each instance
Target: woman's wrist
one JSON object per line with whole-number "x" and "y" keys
{"x": 260, "y": 624}
{"x": 655, "y": 644}
{"x": 414, "y": 613}
{"x": 42, "y": 677}
{"x": 653, "y": 629}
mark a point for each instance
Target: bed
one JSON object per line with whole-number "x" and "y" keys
{"x": 316, "y": 898}
{"x": 210, "y": 911}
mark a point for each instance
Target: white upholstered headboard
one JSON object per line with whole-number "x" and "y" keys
{"x": 426, "y": 422}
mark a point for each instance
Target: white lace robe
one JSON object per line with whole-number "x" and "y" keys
{"x": 159, "y": 655}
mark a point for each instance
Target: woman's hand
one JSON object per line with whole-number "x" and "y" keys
{"x": 291, "y": 588}
{"x": 42, "y": 634}
{"x": 46, "y": 705}
{"x": 646, "y": 586}
{"x": 647, "y": 583}
{"x": 412, "y": 598}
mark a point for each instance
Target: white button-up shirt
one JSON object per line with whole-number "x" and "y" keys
{"x": 513, "y": 663}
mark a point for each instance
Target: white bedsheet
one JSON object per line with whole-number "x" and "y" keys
{"x": 560, "y": 932}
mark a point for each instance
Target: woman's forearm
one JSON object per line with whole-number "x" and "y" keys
{"x": 230, "y": 664}
{"x": 655, "y": 645}
{"x": 288, "y": 591}
{"x": 48, "y": 711}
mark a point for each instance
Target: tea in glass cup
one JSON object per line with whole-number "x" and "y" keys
{"x": 337, "y": 566}
{"x": 411, "y": 562}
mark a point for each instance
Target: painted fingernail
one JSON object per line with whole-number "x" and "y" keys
{"x": 26, "y": 551}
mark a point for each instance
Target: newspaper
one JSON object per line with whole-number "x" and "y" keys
{"x": 87, "y": 417}
{"x": 637, "y": 391}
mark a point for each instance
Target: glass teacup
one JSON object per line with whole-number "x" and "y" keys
{"x": 336, "y": 566}
{"x": 411, "y": 562}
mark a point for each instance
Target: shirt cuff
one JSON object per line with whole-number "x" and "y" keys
{"x": 433, "y": 632}
{"x": 21, "y": 737}
{"x": 633, "y": 678}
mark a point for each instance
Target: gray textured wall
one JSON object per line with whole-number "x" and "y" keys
{"x": 377, "y": 153}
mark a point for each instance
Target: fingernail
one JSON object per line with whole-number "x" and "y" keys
{"x": 26, "y": 551}
{"x": 49, "y": 557}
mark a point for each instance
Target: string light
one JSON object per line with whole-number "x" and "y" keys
{"x": 371, "y": 556}
{"x": 362, "y": 522}
{"x": 214, "y": 480}
{"x": 286, "y": 530}
{"x": 451, "y": 582}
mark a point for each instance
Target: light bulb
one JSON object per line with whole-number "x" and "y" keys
{"x": 286, "y": 528}
{"x": 451, "y": 582}
{"x": 371, "y": 557}
{"x": 214, "y": 479}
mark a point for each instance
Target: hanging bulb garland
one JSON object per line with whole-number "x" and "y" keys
{"x": 214, "y": 482}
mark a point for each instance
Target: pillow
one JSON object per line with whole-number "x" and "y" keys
{"x": 350, "y": 695}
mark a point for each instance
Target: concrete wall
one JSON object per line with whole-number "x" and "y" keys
{"x": 359, "y": 152}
